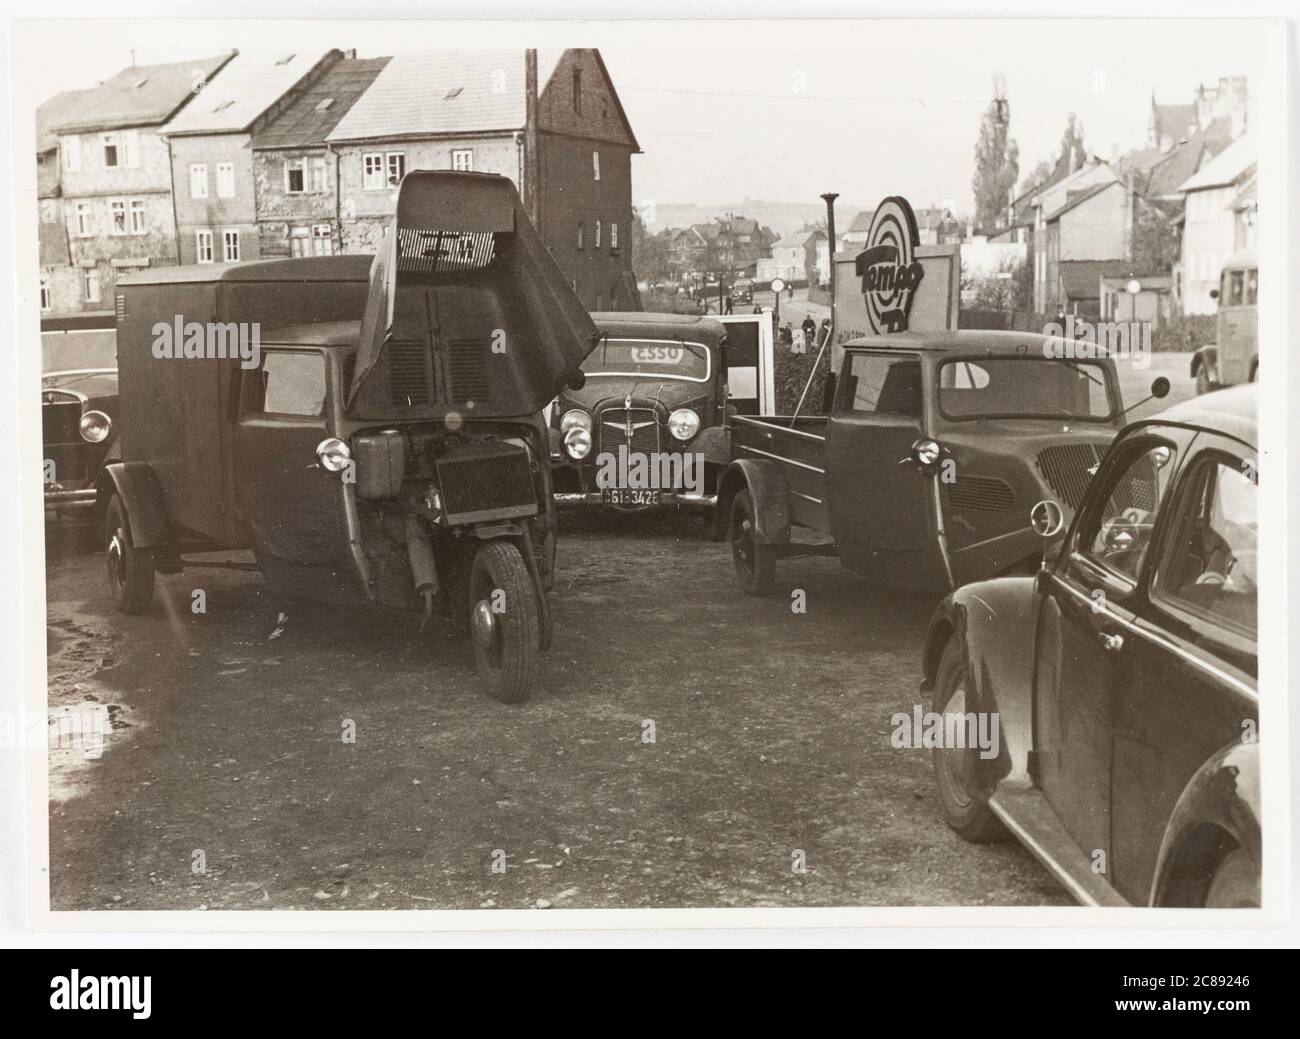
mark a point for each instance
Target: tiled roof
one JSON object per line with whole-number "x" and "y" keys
{"x": 309, "y": 118}
{"x": 1075, "y": 198}
{"x": 52, "y": 112}
{"x": 244, "y": 90}
{"x": 143, "y": 95}
{"x": 1226, "y": 167}
{"x": 799, "y": 239}
{"x": 440, "y": 92}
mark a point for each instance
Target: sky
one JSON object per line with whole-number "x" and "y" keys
{"x": 781, "y": 111}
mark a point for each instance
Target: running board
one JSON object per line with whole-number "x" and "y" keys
{"x": 1034, "y": 824}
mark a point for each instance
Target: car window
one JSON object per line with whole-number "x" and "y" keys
{"x": 1211, "y": 566}
{"x": 288, "y": 383}
{"x": 878, "y": 385}
{"x": 1236, "y": 286}
{"x": 1022, "y": 387}
{"x": 1252, "y": 288}
{"x": 1119, "y": 535}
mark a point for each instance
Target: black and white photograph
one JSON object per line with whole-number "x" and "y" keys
{"x": 663, "y": 474}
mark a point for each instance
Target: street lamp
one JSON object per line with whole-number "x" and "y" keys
{"x": 1133, "y": 288}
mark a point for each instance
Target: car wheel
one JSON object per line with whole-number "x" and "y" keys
{"x": 1204, "y": 384}
{"x": 130, "y": 570}
{"x": 755, "y": 561}
{"x": 1235, "y": 884}
{"x": 964, "y": 808}
{"x": 504, "y": 622}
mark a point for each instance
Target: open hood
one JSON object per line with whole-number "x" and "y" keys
{"x": 467, "y": 312}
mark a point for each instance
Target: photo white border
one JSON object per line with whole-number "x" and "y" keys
{"x": 1029, "y": 925}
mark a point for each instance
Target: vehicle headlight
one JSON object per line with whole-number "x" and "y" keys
{"x": 95, "y": 427}
{"x": 683, "y": 423}
{"x": 334, "y": 454}
{"x": 577, "y": 441}
{"x": 926, "y": 451}
{"x": 575, "y": 419}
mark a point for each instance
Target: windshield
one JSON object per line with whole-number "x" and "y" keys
{"x": 1028, "y": 387}
{"x": 665, "y": 357}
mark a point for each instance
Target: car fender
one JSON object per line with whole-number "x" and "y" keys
{"x": 1221, "y": 798}
{"x": 996, "y": 621}
{"x": 1206, "y": 357}
{"x": 767, "y": 489}
{"x": 136, "y": 484}
{"x": 714, "y": 444}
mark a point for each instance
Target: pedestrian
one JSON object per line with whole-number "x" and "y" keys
{"x": 729, "y": 305}
{"x": 809, "y": 327}
{"x": 790, "y": 291}
{"x": 757, "y": 309}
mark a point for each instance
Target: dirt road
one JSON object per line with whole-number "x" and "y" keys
{"x": 227, "y": 781}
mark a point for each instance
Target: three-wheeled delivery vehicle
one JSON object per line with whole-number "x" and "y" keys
{"x": 923, "y": 475}
{"x": 370, "y": 428}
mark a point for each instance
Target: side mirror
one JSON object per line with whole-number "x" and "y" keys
{"x": 1160, "y": 388}
{"x": 579, "y": 380}
{"x": 1214, "y": 293}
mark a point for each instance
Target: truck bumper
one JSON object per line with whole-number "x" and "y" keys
{"x": 590, "y": 498}
{"x": 65, "y": 501}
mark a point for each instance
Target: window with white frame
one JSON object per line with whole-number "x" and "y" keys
{"x": 85, "y": 220}
{"x": 322, "y": 240}
{"x": 90, "y": 284}
{"x": 121, "y": 149}
{"x": 138, "y": 223}
{"x": 396, "y": 163}
{"x": 372, "y": 171}
{"x": 613, "y": 235}
{"x": 203, "y": 246}
{"x": 595, "y": 166}
{"x": 117, "y": 216}
{"x": 199, "y": 180}
{"x": 597, "y": 234}
{"x": 225, "y": 180}
{"x": 46, "y": 295}
{"x": 316, "y": 174}
{"x": 299, "y": 242}
{"x": 462, "y": 159}
{"x": 72, "y": 153}
{"x": 295, "y": 176}
{"x": 230, "y": 245}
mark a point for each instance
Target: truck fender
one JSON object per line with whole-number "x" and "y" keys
{"x": 1217, "y": 810}
{"x": 1206, "y": 357}
{"x": 996, "y": 621}
{"x": 136, "y": 484}
{"x": 714, "y": 444}
{"x": 766, "y": 486}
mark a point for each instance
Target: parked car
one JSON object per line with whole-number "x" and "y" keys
{"x": 387, "y": 448}
{"x": 923, "y": 473}
{"x": 1234, "y": 356}
{"x": 655, "y": 386}
{"x": 1123, "y": 676}
{"x": 78, "y": 406}
{"x": 742, "y": 291}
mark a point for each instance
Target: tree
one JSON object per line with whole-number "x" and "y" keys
{"x": 650, "y": 253}
{"x": 1156, "y": 244}
{"x": 1074, "y": 153}
{"x": 1037, "y": 175}
{"x": 997, "y": 160}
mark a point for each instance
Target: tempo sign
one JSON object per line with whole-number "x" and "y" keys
{"x": 888, "y": 266}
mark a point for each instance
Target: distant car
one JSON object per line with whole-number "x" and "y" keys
{"x": 1123, "y": 676}
{"x": 742, "y": 291}
{"x": 78, "y": 409}
{"x": 1234, "y": 356}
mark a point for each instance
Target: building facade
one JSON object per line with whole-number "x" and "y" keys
{"x": 1211, "y": 224}
{"x": 211, "y": 155}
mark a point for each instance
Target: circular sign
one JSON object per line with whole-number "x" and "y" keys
{"x": 888, "y": 266}
{"x": 1134, "y": 286}
{"x": 777, "y": 286}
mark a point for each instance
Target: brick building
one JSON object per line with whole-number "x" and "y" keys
{"x": 295, "y": 175}
{"x": 106, "y": 202}
{"x": 211, "y": 170}
{"x": 551, "y": 121}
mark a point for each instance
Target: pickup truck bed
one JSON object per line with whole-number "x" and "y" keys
{"x": 798, "y": 450}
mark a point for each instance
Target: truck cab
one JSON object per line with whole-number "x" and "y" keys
{"x": 1234, "y": 357}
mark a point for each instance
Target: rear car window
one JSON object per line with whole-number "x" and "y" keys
{"x": 880, "y": 385}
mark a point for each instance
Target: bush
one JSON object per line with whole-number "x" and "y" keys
{"x": 790, "y": 376}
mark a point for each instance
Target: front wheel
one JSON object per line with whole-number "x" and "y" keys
{"x": 130, "y": 569}
{"x": 1235, "y": 884}
{"x": 504, "y": 622}
{"x": 964, "y": 808}
{"x": 754, "y": 560}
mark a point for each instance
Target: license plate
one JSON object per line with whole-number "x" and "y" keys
{"x": 612, "y": 496}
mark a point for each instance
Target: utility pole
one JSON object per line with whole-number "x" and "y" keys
{"x": 829, "y": 198}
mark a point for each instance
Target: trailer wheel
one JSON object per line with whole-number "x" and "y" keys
{"x": 755, "y": 561}
{"x": 130, "y": 569}
{"x": 504, "y": 622}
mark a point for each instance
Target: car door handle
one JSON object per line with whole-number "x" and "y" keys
{"x": 1111, "y": 643}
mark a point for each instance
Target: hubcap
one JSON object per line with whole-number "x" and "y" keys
{"x": 484, "y": 623}
{"x": 116, "y": 558}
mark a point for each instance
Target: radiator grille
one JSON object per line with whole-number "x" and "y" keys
{"x": 61, "y": 421}
{"x": 486, "y": 482}
{"x": 981, "y": 494}
{"x": 467, "y": 367}
{"x": 613, "y": 425}
{"x": 408, "y": 372}
{"x": 1065, "y": 468}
